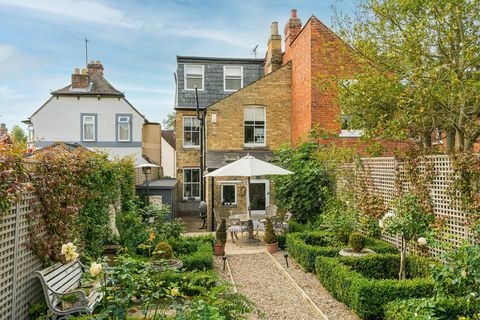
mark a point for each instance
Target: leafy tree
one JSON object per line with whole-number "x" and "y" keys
{"x": 305, "y": 192}
{"x": 19, "y": 136}
{"x": 421, "y": 70}
{"x": 169, "y": 123}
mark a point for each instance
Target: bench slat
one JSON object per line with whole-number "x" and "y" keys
{"x": 67, "y": 282}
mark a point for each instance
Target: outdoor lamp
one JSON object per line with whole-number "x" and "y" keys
{"x": 224, "y": 261}
{"x": 146, "y": 170}
{"x": 286, "y": 259}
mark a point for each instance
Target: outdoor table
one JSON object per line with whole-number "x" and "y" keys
{"x": 243, "y": 218}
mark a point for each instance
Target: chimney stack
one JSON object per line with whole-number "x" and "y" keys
{"x": 292, "y": 29}
{"x": 273, "y": 60}
{"x": 3, "y": 130}
{"x": 80, "y": 80}
{"x": 95, "y": 67}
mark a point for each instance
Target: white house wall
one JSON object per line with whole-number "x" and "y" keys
{"x": 168, "y": 159}
{"x": 60, "y": 120}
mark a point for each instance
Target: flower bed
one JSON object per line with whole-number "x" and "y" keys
{"x": 306, "y": 247}
{"x": 367, "y": 283}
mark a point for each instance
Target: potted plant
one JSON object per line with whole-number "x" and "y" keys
{"x": 271, "y": 237}
{"x": 221, "y": 236}
{"x": 163, "y": 257}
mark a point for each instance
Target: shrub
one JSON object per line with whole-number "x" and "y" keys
{"x": 439, "y": 308}
{"x": 190, "y": 283}
{"x": 294, "y": 226}
{"x": 356, "y": 241}
{"x": 132, "y": 230}
{"x": 200, "y": 259}
{"x": 362, "y": 284}
{"x": 162, "y": 251}
{"x": 338, "y": 218}
{"x": 221, "y": 233}
{"x": 282, "y": 241}
{"x": 270, "y": 235}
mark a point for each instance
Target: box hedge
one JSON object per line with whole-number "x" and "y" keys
{"x": 367, "y": 284}
{"x": 440, "y": 308}
{"x": 305, "y": 247}
{"x": 196, "y": 253}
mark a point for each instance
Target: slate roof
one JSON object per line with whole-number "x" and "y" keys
{"x": 99, "y": 86}
{"x": 169, "y": 136}
{"x": 217, "y": 159}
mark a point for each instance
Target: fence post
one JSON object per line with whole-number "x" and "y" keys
{"x": 15, "y": 259}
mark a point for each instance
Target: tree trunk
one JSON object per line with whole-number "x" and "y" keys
{"x": 459, "y": 141}
{"x": 427, "y": 140}
{"x": 450, "y": 139}
{"x": 403, "y": 255}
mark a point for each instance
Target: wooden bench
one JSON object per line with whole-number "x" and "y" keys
{"x": 62, "y": 280}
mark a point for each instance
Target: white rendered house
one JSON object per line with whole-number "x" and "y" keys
{"x": 169, "y": 161}
{"x": 90, "y": 112}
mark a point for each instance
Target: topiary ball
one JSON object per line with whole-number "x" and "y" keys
{"x": 162, "y": 251}
{"x": 356, "y": 241}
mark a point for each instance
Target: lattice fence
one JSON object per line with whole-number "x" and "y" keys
{"x": 382, "y": 172}
{"x": 18, "y": 290}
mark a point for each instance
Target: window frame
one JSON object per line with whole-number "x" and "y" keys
{"x": 117, "y": 126}
{"x": 191, "y": 183}
{"x": 82, "y": 127}
{"x": 250, "y": 144}
{"x": 186, "y": 146}
{"x": 225, "y": 77}
{"x": 236, "y": 194}
{"x": 185, "y": 76}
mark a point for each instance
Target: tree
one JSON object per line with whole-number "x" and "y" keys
{"x": 19, "y": 136}
{"x": 421, "y": 71}
{"x": 410, "y": 220}
{"x": 169, "y": 123}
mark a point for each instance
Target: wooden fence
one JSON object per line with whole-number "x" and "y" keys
{"x": 382, "y": 172}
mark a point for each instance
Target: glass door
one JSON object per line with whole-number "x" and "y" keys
{"x": 259, "y": 199}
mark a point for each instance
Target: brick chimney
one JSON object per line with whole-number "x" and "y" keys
{"x": 80, "y": 80}
{"x": 95, "y": 67}
{"x": 273, "y": 60}
{"x": 3, "y": 130}
{"x": 292, "y": 28}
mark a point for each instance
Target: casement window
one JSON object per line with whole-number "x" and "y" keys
{"x": 124, "y": 128}
{"x": 254, "y": 124}
{"x": 232, "y": 78}
{"x": 194, "y": 75}
{"x": 30, "y": 133}
{"x": 191, "y": 132}
{"x": 191, "y": 183}
{"x": 89, "y": 127}
{"x": 229, "y": 194}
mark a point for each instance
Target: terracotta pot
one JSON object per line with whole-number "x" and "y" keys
{"x": 272, "y": 247}
{"x": 219, "y": 249}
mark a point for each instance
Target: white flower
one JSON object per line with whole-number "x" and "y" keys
{"x": 69, "y": 251}
{"x": 381, "y": 224}
{"x": 422, "y": 241}
{"x": 95, "y": 269}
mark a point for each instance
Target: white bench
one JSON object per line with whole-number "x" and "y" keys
{"x": 61, "y": 280}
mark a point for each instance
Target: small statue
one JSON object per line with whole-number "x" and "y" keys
{"x": 113, "y": 225}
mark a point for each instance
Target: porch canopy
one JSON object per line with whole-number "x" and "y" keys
{"x": 248, "y": 166}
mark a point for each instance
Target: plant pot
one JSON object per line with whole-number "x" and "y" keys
{"x": 173, "y": 264}
{"x": 272, "y": 247}
{"x": 219, "y": 249}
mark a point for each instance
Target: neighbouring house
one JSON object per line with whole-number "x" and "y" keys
{"x": 3, "y": 130}
{"x": 169, "y": 162}
{"x": 215, "y": 79}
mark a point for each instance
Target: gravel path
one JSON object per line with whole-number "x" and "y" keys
{"x": 332, "y": 308}
{"x": 258, "y": 278}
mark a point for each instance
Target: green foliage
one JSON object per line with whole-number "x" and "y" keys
{"x": 200, "y": 259}
{"x": 356, "y": 241}
{"x": 270, "y": 235}
{"x": 294, "y": 226}
{"x": 438, "y": 308}
{"x": 338, "y": 219}
{"x": 165, "y": 228}
{"x": 305, "y": 192}
{"x": 162, "y": 251}
{"x": 282, "y": 241}
{"x": 19, "y": 136}
{"x": 169, "y": 123}
{"x": 367, "y": 296}
{"x": 221, "y": 233}
{"x": 133, "y": 231}
{"x": 14, "y": 176}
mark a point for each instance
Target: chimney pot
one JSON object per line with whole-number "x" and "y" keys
{"x": 274, "y": 28}
{"x": 76, "y": 71}
{"x": 293, "y": 13}
{"x": 84, "y": 71}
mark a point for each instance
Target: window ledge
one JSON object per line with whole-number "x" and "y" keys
{"x": 350, "y": 133}
{"x": 255, "y": 146}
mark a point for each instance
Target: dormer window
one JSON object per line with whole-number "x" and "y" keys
{"x": 233, "y": 78}
{"x": 194, "y": 75}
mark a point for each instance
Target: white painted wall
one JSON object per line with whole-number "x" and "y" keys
{"x": 60, "y": 120}
{"x": 168, "y": 159}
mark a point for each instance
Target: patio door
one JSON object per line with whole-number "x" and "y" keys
{"x": 259, "y": 198}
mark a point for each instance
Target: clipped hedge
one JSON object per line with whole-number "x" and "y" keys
{"x": 190, "y": 283}
{"x": 200, "y": 259}
{"x": 306, "y": 247}
{"x": 367, "y": 284}
{"x": 440, "y": 308}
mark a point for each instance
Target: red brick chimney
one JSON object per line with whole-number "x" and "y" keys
{"x": 95, "y": 67}
{"x": 80, "y": 80}
{"x": 292, "y": 28}
{"x": 273, "y": 59}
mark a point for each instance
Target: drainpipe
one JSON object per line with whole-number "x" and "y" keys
{"x": 201, "y": 119}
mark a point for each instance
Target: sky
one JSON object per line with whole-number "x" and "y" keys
{"x": 137, "y": 41}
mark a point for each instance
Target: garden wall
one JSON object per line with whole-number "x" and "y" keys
{"x": 383, "y": 171}
{"x": 18, "y": 290}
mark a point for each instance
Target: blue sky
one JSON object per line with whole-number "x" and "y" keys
{"x": 42, "y": 41}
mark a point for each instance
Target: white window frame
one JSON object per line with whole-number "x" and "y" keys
{"x": 187, "y": 146}
{"x": 94, "y": 128}
{"x": 225, "y": 78}
{"x": 236, "y": 197}
{"x": 185, "y": 76}
{"x": 185, "y": 183}
{"x": 129, "y": 125}
{"x": 249, "y": 144}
